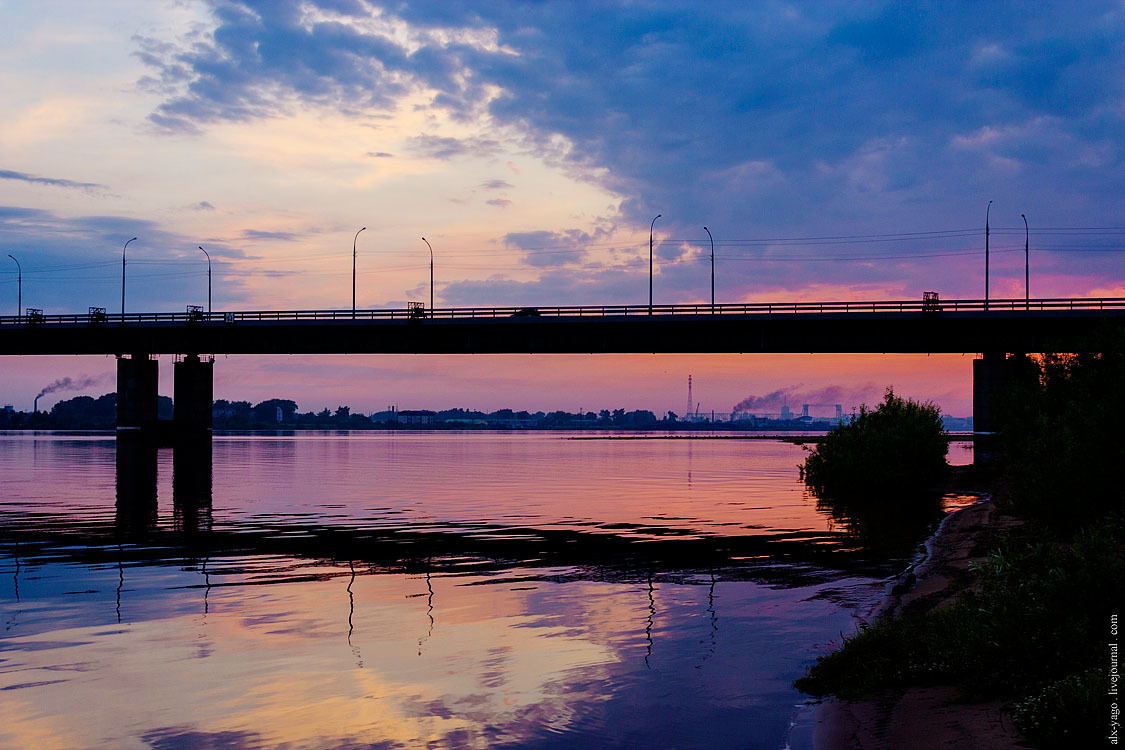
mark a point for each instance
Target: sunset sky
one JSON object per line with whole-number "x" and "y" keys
{"x": 835, "y": 152}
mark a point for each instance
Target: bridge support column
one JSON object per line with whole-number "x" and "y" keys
{"x": 993, "y": 377}
{"x": 193, "y": 393}
{"x": 137, "y": 378}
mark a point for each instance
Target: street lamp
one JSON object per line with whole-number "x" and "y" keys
{"x": 986, "y": 233}
{"x": 354, "y": 239}
{"x": 208, "y": 279}
{"x": 19, "y": 287}
{"x": 123, "y": 278}
{"x": 1026, "y": 265}
{"x": 431, "y": 275}
{"x": 708, "y": 231}
{"x": 650, "y": 226}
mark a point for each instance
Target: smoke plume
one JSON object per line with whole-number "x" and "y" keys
{"x": 73, "y": 384}
{"x": 795, "y": 395}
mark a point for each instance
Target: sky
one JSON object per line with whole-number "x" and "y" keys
{"x": 835, "y": 151}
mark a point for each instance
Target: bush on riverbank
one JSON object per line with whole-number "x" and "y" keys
{"x": 1036, "y": 630}
{"x": 897, "y": 448}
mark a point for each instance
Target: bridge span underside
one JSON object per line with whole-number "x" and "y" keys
{"x": 993, "y": 332}
{"x": 801, "y": 332}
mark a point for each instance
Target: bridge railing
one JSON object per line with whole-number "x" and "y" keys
{"x": 196, "y": 317}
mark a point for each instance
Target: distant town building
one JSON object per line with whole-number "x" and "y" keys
{"x": 409, "y": 416}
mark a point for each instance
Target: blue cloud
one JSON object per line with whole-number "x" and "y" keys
{"x": 7, "y": 174}
{"x": 71, "y": 263}
{"x": 757, "y": 119}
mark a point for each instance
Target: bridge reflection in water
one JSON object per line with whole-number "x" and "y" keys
{"x": 330, "y": 580}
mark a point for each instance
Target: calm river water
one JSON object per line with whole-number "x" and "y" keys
{"x": 418, "y": 589}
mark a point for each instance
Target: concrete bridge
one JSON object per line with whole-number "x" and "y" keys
{"x": 995, "y": 328}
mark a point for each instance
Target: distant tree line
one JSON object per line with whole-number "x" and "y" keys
{"x": 88, "y": 413}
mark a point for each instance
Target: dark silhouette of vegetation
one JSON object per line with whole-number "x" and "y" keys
{"x": 895, "y": 449}
{"x": 1037, "y": 627}
{"x": 85, "y": 412}
{"x": 1061, "y": 438}
{"x": 886, "y": 530}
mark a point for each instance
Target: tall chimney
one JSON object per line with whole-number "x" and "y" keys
{"x": 35, "y": 404}
{"x": 689, "y": 400}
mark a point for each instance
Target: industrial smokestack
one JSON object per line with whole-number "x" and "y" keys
{"x": 70, "y": 384}
{"x": 35, "y": 406}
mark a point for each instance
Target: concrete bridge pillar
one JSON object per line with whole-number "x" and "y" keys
{"x": 137, "y": 378}
{"x": 993, "y": 377}
{"x": 193, "y": 393}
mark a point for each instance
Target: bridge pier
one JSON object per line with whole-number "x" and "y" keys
{"x": 993, "y": 377}
{"x": 137, "y": 379}
{"x": 193, "y": 393}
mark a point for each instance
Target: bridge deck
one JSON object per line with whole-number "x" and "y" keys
{"x": 879, "y": 326}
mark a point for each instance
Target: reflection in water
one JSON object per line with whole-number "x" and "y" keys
{"x": 120, "y": 581}
{"x": 540, "y": 644}
{"x": 651, "y": 617}
{"x": 429, "y": 612}
{"x": 351, "y": 613}
{"x": 191, "y": 486}
{"x": 136, "y": 486}
{"x": 886, "y": 528}
{"x": 714, "y": 619}
{"x": 206, "y": 587}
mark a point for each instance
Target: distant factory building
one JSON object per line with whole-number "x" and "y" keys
{"x": 409, "y": 416}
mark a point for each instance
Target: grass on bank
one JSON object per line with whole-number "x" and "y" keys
{"x": 1037, "y": 628}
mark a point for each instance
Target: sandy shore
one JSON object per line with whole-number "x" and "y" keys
{"x": 924, "y": 718}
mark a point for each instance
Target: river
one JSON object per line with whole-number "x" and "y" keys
{"x": 411, "y": 589}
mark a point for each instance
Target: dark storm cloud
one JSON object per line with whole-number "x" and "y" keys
{"x": 7, "y": 174}
{"x": 760, "y": 119}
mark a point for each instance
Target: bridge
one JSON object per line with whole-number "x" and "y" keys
{"x": 994, "y": 328}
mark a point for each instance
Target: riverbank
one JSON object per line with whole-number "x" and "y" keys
{"x": 929, "y": 717}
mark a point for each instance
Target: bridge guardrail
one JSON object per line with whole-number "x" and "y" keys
{"x": 758, "y": 308}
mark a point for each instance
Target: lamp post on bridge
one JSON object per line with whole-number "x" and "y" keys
{"x": 986, "y": 233}
{"x": 431, "y": 275}
{"x": 354, "y": 240}
{"x": 1026, "y": 265}
{"x": 123, "y": 278}
{"x": 650, "y": 226}
{"x": 708, "y": 231}
{"x": 208, "y": 279}
{"x": 19, "y": 287}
